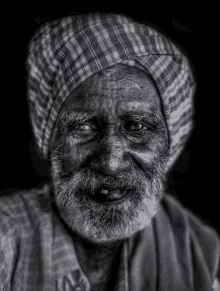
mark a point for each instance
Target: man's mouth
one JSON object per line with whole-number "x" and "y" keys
{"x": 111, "y": 196}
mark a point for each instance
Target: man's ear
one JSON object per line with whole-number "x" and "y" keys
{"x": 53, "y": 135}
{"x": 52, "y": 140}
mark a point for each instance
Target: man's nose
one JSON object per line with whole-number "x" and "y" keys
{"x": 110, "y": 157}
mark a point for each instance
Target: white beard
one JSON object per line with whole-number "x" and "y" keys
{"x": 102, "y": 223}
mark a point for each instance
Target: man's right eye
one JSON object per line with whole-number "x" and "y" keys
{"x": 83, "y": 127}
{"x": 82, "y": 130}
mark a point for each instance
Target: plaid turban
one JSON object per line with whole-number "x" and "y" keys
{"x": 65, "y": 52}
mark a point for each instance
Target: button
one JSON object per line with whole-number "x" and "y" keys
{"x": 78, "y": 287}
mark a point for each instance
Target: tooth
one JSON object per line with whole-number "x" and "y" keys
{"x": 104, "y": 192}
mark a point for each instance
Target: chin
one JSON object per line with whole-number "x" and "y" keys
{"x": 117, "y": 225}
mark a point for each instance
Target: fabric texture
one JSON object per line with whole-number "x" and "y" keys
{"x": 175, "y": 252}
{"x": 65, "y": 52}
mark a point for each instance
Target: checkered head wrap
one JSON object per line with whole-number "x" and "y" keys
{"x": 65, "y": 52}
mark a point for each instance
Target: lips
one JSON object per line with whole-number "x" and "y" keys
{"x": 109, "y": 196}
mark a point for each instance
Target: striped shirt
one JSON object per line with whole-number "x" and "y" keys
{"x": 175, "y": 252}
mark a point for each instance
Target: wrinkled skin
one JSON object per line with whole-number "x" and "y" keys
{"x": 122, "y": 143}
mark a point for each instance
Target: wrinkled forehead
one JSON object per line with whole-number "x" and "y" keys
{"x": 117, "y": 86}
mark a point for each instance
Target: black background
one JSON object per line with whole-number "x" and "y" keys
{"x": 195, "y": 176}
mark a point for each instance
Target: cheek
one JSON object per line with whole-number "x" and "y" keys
{"x": 142, "y": 155}
{"x": 73, "y": 156}
{"x": 145, "y": 154}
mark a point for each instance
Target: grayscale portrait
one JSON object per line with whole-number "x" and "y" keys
{"x": 111, "y": 106}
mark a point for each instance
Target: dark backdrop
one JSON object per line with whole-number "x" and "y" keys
{"x": 195, "y": 176}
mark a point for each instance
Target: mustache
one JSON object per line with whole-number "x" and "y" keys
{"x": 91, "y": 180}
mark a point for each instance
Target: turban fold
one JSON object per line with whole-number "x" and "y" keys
{"x": 65, "y": 52}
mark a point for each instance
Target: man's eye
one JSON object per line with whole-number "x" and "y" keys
{"x": 135, "y": 126}
{"x": 83, "y": 127}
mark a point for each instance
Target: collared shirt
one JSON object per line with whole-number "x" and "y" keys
{"x": 175, "y": 252}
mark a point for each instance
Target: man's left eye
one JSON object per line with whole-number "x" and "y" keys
{"x": 136, "y": 126}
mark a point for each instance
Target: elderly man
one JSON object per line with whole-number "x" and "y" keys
{"x": 111, "y": 108}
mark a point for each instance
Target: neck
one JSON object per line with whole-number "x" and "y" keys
{"x": 91, "y": 254}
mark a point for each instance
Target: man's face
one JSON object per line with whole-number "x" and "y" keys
{"x": 109, "y": 149}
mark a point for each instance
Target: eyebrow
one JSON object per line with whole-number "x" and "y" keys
{"x": 153, "y": 118}
{"x": 77, "y": 117}
{"x": 131, "y": 115}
